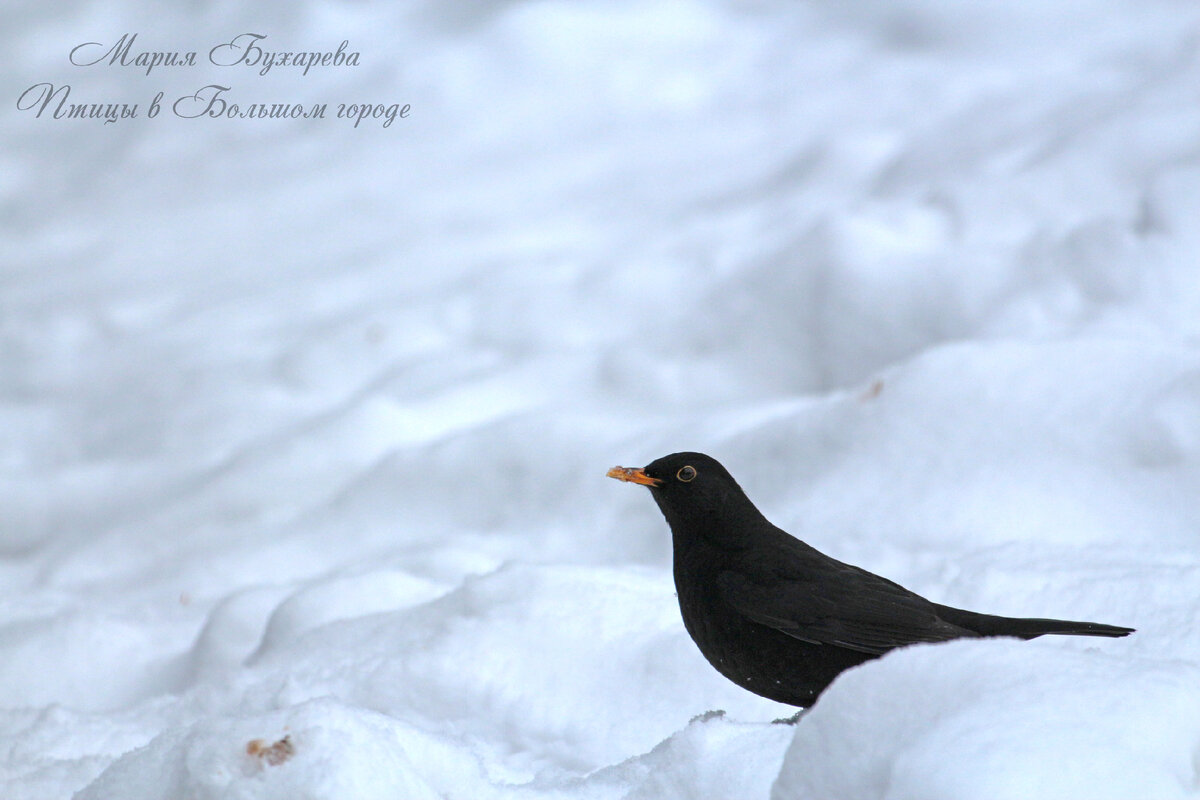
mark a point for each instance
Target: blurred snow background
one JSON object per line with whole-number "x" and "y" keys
{"x": 303, "y": 426}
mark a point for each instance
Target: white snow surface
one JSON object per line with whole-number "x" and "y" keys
{"x": 304, "y": 427}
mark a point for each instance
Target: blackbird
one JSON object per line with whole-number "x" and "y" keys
{"x": 778, "y": 617}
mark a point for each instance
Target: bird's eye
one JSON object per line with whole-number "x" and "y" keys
{"x": 686, "y": 474}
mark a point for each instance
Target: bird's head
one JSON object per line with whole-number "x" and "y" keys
{"x": 696, "y": 494}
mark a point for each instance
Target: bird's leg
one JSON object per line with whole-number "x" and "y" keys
{"x": 792, "y": 720}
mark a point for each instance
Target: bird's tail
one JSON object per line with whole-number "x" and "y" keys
{"x": 989, "y": 625}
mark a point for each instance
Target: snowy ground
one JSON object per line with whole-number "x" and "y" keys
{"x": 303, "y": 427}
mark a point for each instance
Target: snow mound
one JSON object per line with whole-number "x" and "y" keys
{"x": 1000, "y": 719}
{"x": 321, "y": 749}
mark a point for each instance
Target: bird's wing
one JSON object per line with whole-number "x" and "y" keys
{"x": 838, "y": 605}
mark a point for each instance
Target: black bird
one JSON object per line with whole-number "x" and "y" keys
{"x": 776, "y": 616}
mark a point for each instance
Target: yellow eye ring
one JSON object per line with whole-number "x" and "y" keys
{"x": 686, "y": 474}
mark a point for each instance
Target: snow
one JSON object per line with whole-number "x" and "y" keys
{"x": 304, "y": 426}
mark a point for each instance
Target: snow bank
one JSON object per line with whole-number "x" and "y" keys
{"x": 991, "y": 720}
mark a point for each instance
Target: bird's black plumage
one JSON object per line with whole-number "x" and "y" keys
{"x": 776, "y": 616}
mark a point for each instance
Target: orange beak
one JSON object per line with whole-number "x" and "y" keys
{"x": 633, "y": 475}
